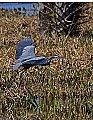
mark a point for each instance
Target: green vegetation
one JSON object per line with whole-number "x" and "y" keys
{"x": 64, "y": 89}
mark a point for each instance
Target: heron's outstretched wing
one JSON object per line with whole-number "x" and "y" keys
{"x": 36, "y": 61}
{"x": 21, "y": 45}
{"x": 28, "y": 52}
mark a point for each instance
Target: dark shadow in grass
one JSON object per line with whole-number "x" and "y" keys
{"x": 88, "y": 34}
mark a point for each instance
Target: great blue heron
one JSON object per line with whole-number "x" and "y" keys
{"x": 25, "y": 55}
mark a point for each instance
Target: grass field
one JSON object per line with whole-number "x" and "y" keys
{"x": 61, "y": 91}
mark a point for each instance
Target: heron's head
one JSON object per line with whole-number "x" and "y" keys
{"x": 56, "y": 56}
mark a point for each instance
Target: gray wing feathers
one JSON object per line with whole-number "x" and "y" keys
{"x": 17, "y": 65}
{"x": 21, "y": 45}
{"x": 34, "y": 59}
{"x": 28, "y": 51}
{"x": 37, "y": 61}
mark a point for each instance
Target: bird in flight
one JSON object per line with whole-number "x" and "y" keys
{"x": 25, "y": 55}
